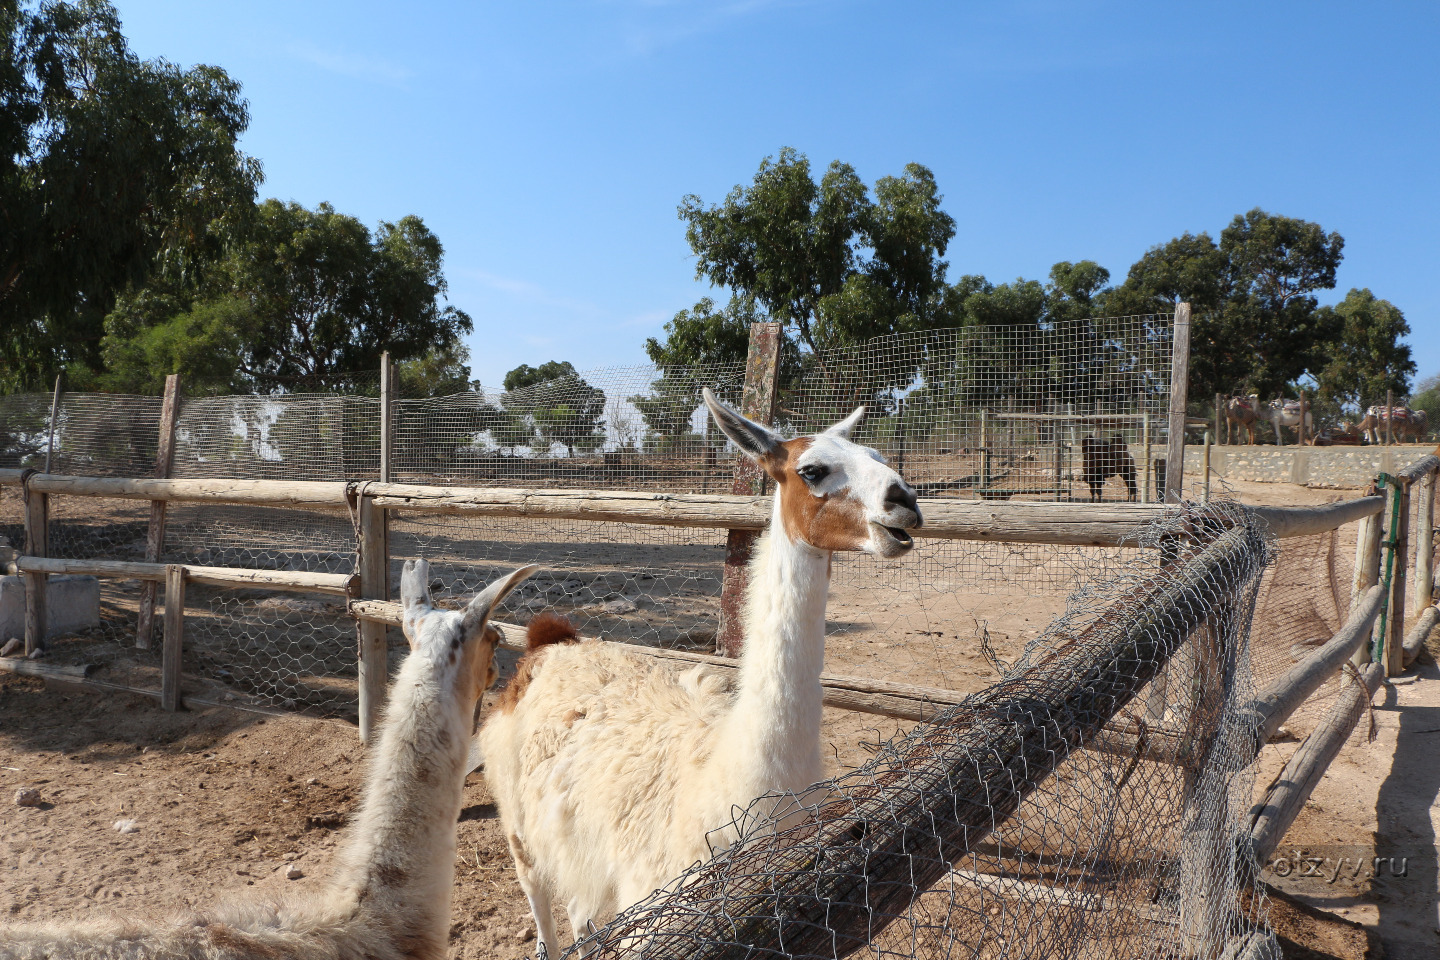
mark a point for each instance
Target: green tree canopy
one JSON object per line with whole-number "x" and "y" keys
{"x": 1367, "y": 358}
{"x": 825, "y": 259}
{"x": 1256, "y": 324}
{"x": 303, "y": 299}
{"x": 558, "y": 403}
{"x": 113, "y": 169}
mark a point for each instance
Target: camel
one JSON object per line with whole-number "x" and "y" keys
{"x": 614, "y": 772}
{"x": 1408, "y": 423}
{"x": 389, "y": 895}
{"x": 1242, "y": 412}
{"x": 1286, "y": 413}
{"x": 1102, "y": 459}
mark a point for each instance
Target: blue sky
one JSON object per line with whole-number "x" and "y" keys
{"x": 548, "y": 144}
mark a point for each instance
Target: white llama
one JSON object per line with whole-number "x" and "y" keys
{"x": 610, "y": 769}
{"x": 389, "y": 896}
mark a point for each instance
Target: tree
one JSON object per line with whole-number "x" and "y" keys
{"x": 301, "y": 300}
{"x": 703, "y": 335}
{"x": 1255, "y": 323}
{"x": 824, "y": 259}
{"x": 1367, "y": 358}
{"x": 1427, "y": 397}
{"x": 114, "y": 169}
{"x": 558, "y": 403}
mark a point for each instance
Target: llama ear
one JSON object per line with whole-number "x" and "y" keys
{"x": 478, "y": 611}
{"x": 755, "y": 439}
{"x": 414, "y": 597}
{"x": 843, "y": 428}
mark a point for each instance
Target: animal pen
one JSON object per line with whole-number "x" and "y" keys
{"x": 1095, "y": 800}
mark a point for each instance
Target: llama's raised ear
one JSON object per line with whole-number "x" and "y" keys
{"x": 843, "y": 428}
{"x": 414, "y": 596}
{"x": 478, "y": 610}
{"x": 755, "y": 439}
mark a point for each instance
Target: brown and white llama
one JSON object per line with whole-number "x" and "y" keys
{"x": 389, "y": 896}
{"x": 611, "y": 770}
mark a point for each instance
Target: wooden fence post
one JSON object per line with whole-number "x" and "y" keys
{"x": 385, "y": 451}
{"x": 1389, "y": 417}
{"x": 155, "y": 535}
{"x": 762, "y": 379}
{"x": 374, "y": 585}
{"x": 1179, "y": 391}
{"x": 1367, "y": 572}
{"x": 1221, "y": 438}
{"x": 37, "y": 544}
{"x": 173, "y": 643}
{"x": 50, "y": 428}
{"x": 1399, "y": 540}
{"x": 1424, "y": 544}
{"x": 1300, "y": 431}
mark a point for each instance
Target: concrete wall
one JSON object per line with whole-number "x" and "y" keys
{"x": 1346, "y": 467}
{"x": 71, "y": 603}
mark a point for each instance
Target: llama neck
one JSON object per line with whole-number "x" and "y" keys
{"x": 773, "y": 732}
{"x": 400, "y": 859}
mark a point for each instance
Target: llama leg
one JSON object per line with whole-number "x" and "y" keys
{"x": 538, "y": 894}
{"x": 581, "y": 920}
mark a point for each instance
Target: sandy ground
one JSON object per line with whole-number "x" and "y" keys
{"x": 224, "y": 799}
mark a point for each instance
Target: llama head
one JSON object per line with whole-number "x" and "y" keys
{"x": 462, "y": 639}
{"x": 834, "y": 494}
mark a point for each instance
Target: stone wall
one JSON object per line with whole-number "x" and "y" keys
{"x": 1344, "y": 467}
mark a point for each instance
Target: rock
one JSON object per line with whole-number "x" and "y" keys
{"x": 12, "y": 646}
{"x": 293, "y": 872}
{"x": 524, "y": 934}
{"x": 37, "y": 653}
{"x": 126, "y": 826}
{"x": 27, "y": 798}
{"x": 621, "y": 606}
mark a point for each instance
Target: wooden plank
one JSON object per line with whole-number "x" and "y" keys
{"x": 1424, "y": 578}
{"x": 1273, "y": 815}
{"x": 757, "y": 401}
{"x": 1424, "y": 625}
{"x": 174, "y": 640}
{"x": 1275, "y": 704}
{"x": 296, "y": 581}
{"x": 1418, "y": 469}
{"x": 1179, "y": 391}
{"x": 374, "y": 575}
{"x": 37, "y": 543}
{"x": 155, "y": 533}
{"x": 309, "y": 494}
{"x": 47, "y": 671}
{"x": 1283, "y": 522}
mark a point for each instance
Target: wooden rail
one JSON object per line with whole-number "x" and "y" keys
{"x": 338, "y": 584}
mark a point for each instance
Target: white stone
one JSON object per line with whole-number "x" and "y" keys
{"x": 71, "y": 603}
{"x": 293, "y": 872}
{"x": 126, "y": 826}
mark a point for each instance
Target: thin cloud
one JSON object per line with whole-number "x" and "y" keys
{"x": 349, "y": 64}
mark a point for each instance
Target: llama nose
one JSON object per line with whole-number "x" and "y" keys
{"x": 901, "y": 495}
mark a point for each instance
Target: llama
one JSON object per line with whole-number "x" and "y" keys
{"x": 1242, "y": 412}
{"x": 1102, "y": 459}
{"x": 610, "y": 769}
{"x": 389, "y": 896}
{"x": 1286, "y": 413}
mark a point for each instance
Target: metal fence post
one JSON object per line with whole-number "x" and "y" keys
{"x": 762, "y": 379}
{"x": 155, "y": 535}
{"x": 1179, "y": 390}
{"x": 385, "y": 450}
{"x": 50, "y": 428}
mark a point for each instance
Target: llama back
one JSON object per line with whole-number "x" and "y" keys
{"x": 592, "y": 758}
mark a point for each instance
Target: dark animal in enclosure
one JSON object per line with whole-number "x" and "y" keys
{"x": 1103, "y": 459}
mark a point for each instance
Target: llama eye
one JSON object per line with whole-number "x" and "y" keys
{"x": 812, "y": 474}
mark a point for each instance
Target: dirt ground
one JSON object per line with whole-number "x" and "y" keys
{"x": 224, "y": 799}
